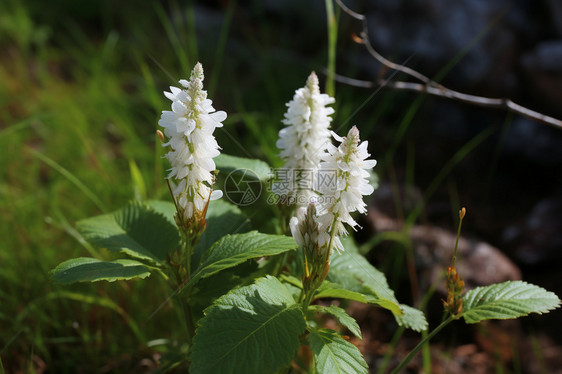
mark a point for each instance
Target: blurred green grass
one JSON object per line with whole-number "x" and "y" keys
{"x": 80, "y": 97}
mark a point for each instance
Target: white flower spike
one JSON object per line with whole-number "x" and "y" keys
{"x": 351, "y": 167}
{"x": 307, "y": 134}
{"x": 189, "y": 127}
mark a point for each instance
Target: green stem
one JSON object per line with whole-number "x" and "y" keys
{"x": 307, "y": 300}
{"x": 457, "y": 241}
{"x": 186, "y": 308}
{"x": 420, "y": 345}
{"x": 281, "y": 264}
{"x": 188, "y": 251}
{"x": 332, "y": 42}
{"x": 301, "y": 297}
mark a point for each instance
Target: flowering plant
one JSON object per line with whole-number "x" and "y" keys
{"x": 248, "y": 298}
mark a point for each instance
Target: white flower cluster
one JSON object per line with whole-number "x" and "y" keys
{"x": 351, "y": 165}
{"x": 349, "y": 160}
{"x": 307, "y": 133}
{"x": 189, "y": 127}
{"x": 305, "y": 144}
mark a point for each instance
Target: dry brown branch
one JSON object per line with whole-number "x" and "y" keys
{"x": 429, "y": 86}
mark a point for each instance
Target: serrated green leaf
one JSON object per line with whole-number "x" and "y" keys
{"x": 251, "y": 330}
{"x": 405, "y": 315}
{"x": 136, "y": 230}
{"x": 332, "y": 354}
{"x": 341, "y": 315}
{"x": 232, "y": 250}
{"x": 507, "y": 300}
{"x": 86, "y": 269}
{"x": 353, "y": 272}
{"x": 334, "y": 290}
{"x": 411, "y": 318}
{"x": 166, "y": 208}
{"x": 231, "y": 164}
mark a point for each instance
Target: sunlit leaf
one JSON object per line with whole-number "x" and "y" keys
{"x": 507, "y": 300}
{"x": 352, "y": 272}
{"x": 251, "y": 330}
{"x": 86, "y": 269}
{"x": 232, "y": 250}
{"x": 345, "y": 319}
{"x": 136, "y": 230}
{"x": 333, "y": 354}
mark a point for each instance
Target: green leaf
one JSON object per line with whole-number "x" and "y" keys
{"x": 231, "y": 164}
{"x": 232, "y": 250}
{"x": 86, "y": 269}
{"x": 506, "y": 300}
{"x": 334, "y": 290}
{"x": 251, "y": 330}
{"x": 332, "y": 354}
{"x": 411, "y": 318}
{"x": 351, "y": 271}
{"x": 166, "y": 208}
{"x": 349, "y": 244}
{"x": 207, "y": 290}
{"x": 405, "y": 315}
{"x": 136, "y": 230}
{"x": 354, "y": 273}
{"x": 345, "y": 319}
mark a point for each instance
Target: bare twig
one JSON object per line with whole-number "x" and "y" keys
{"x": 430, "y": 86}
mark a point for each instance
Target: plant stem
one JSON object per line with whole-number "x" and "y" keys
{"x": 307, "y": 300}
{"x": 420, "y": 345}
{"x": 281, "y": 264}
{"x": 332, "y": 41}
{"x": 186, "y": 308}
{"x": 188, "y": 250}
